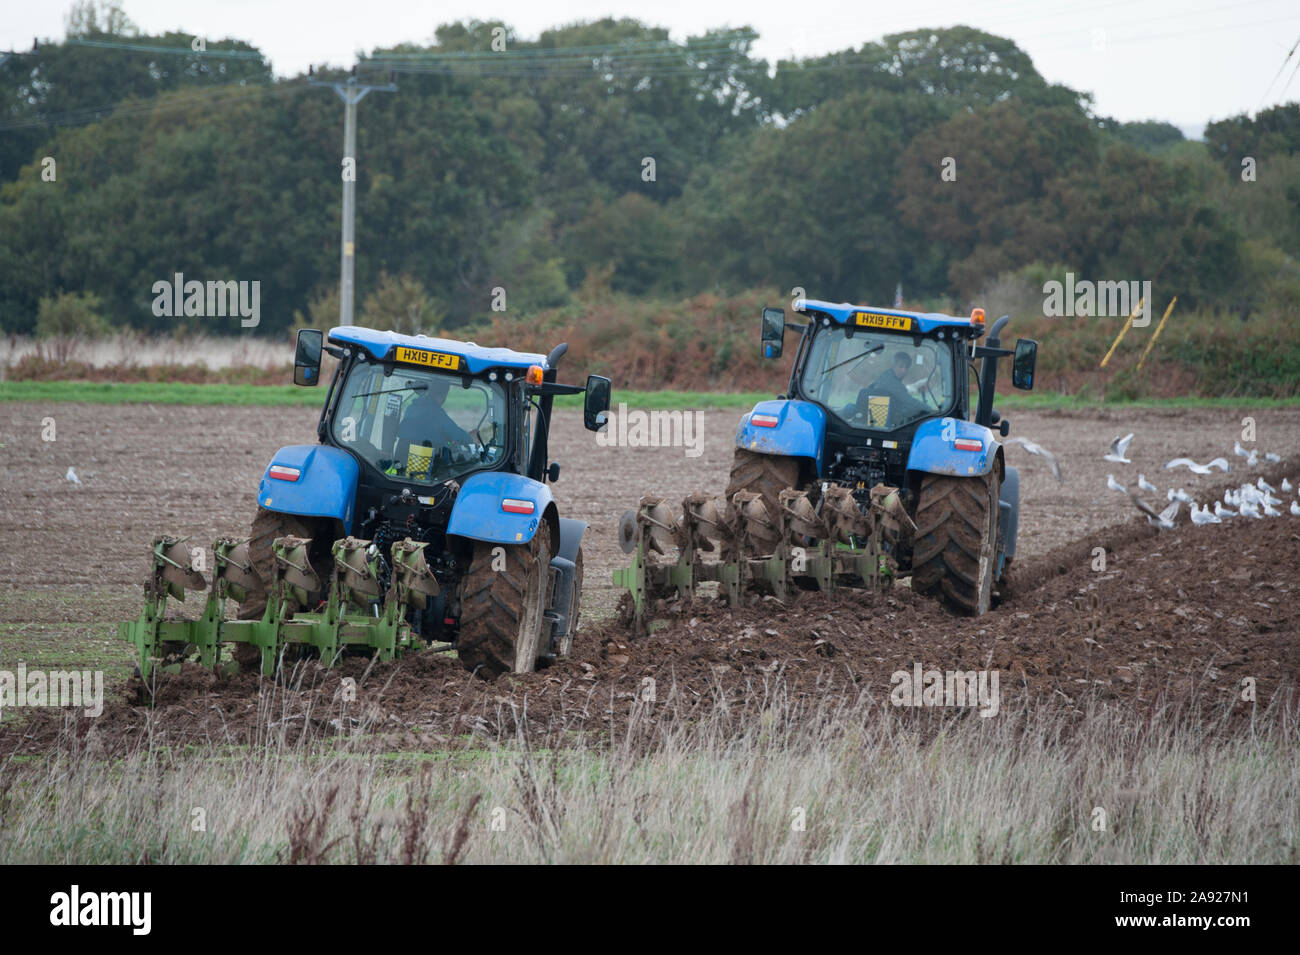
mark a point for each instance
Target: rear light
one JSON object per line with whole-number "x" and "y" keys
{"x": 515, "y": 506}
{"x": 968, "y": 444}
{"x": 763, "y": 420}
{"x": 282, "y": 473}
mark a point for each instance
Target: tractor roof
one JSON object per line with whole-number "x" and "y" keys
{"x": 844, "y": 313}
{"x": 477, "y": 358}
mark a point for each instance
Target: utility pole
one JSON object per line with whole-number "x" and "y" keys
{"x": 351, "y": 93}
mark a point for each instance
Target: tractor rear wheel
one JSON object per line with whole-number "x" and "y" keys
{"x": 503, "y": 608}
{"x": 954, "y": 546}
{"x": 765, "y": 474}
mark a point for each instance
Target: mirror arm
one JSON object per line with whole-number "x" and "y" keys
{"x": 555, "y": 388}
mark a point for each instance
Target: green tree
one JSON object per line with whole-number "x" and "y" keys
{"x": 70, "y": 315}
{"x": 988, "y": 218}
{"x": 104, "y": 62}
{"x": 962, "y": 65}
{"x": 638, "y": 240}
{"x": 813, "y": 205}
{"x": 400, "y": 304}
{"x": 1270, "y": 132}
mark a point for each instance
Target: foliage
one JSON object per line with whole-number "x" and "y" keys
{"x": 70, "y": 314}
{"x": 606, "y": 159}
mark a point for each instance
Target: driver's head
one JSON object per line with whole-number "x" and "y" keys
{"x": 902, "y": 362}
{"x": 437, "y": 390}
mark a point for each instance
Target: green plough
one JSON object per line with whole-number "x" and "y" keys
{"x": 351, "y": 615}
{"x": 829, "y": 543}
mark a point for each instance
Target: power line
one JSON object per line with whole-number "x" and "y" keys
{"x": 146, "y": 48}
{"x": 1279, "y": 73}
{"x": 1282, "y": 96}
{"x": 165, "y": 102}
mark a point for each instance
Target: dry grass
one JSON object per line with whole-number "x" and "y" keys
{"x": 135, "y": 356}
{"x": 871, "y": 784}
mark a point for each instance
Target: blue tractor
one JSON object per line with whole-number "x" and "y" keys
{"x": 895, "y": 398}
{"x": 429, "y": 444}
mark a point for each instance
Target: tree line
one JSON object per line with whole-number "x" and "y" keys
{"x": 606, "y": 158}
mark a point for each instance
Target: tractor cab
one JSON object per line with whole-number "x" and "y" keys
{"x": 877, "y": 376}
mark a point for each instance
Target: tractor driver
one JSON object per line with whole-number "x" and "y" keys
{"x": 425, "y": 423}
{"x": 902, "y": 406}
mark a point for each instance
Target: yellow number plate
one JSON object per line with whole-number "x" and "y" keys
{"x": 433, "y": 359}
{"x": 895, "y": 323}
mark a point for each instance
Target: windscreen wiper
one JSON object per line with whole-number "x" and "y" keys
{"x": 393, "y": 391}
{"x": 869, "y": 351}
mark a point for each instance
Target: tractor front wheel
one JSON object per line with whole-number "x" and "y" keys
{"x": 503, "y": 606}
{"x": 954, "y": 548}
{"x": 764, "y": 474}
{"x": 267, "y": 527}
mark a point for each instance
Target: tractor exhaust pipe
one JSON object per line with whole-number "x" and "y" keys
{"x": 989, "y": 375}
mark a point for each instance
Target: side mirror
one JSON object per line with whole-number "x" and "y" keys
{"x": 595, "y": 407}
{"x": 1022, "y": 365}
{"x": 306, "y": 359}
{"x": 773, "y": 334}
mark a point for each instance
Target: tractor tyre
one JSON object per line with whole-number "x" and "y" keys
{"x": 503, "y": 611}
{"x": 954, "y": 546}
{"x": 267, "y": 527}
{"x": 765, "y": 474}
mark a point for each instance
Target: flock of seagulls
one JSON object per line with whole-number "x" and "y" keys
{"x": 1257, "y": 501}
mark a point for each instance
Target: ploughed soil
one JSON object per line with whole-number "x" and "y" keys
{"x": 1185, "y": 616}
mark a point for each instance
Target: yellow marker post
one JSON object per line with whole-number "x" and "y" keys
{"x": 1156, "y": 333}
{"x": 1123, "y": 331}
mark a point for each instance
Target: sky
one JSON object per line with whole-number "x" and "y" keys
{"x": 1187, "y": 62}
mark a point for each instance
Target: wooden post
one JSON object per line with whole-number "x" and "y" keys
{"x": 1156, "y": 333}
{"x": 1123, "y": 331}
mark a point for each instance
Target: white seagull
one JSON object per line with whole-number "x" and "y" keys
{"x": 1164, "y": 520}
{"x": 1295, "y": 508}
{"x": 1220, "y": 463}
{"x": 1038, "y": 449}
{"x": 1180, "y": 495}
{"x": 1264, "y": 486}
{"x": 1272, "y": 511}
{"x": 1115, "y": 485}
{"x": 1118, "y": 448}
{"x": 1272, "y": 458}
{"x": 1251, "y": 456}
{"x": 1250, "y": 510}
{"x": 1146, "y": 485}
{"x": 1203, "y": 516}
{"x": 1221, "y": 511}
{"x": 1287, "y": 487}
{"x": 71, "y": 477}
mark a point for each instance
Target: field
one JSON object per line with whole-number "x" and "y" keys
{"x": 1120, "y": 687}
